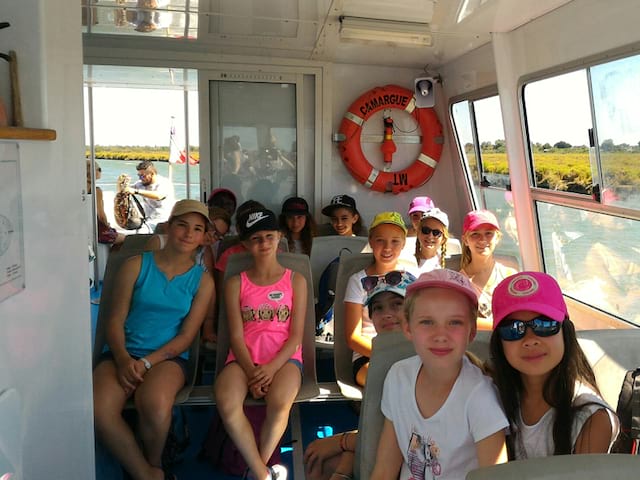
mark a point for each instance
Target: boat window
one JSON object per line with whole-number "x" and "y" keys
{"x": 592, "y": 257}
{"x": 559, "y": 120}
{"x": 137, "y": 113}
{"x": 254, "y": 130}
{"x": 616, "y": 107}
{"x": 480, "y": 134}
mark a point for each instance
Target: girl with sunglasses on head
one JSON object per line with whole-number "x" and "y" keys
{"x": 480, "y": 237}
{"x": 387, "y": 237}
{"x": 546, "y": 384}
{"x": 431, "y": 241}
{"x": 333, "y": 457}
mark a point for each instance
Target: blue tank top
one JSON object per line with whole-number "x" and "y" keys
{"x": 158, "y": 307}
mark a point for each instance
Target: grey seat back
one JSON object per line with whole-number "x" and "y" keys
{"x": 342, "y": 354}
{"x": 387, "y": 349}
{"x": 135, "y": 242}
{"x": 300, "y": 264}
{"x": 116, "y": 260}
{"x": 563, "y": 467}
{"x": 611, "y": 353}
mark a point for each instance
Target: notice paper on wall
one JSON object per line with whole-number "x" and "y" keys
{"x": 11, "y": 233}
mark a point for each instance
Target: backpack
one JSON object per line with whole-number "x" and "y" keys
{"x": 326, "y": 295}
{"x": 628, "y": 412}
{"x": 220, "y": 450}
{"x": 178, "y": 439}
{"x": 127, "y": 210}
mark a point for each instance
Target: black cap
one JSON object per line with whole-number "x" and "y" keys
{"x": 257, "y": 221}
{"x": 295, "y": 206}
{"x": 340, "y": 201}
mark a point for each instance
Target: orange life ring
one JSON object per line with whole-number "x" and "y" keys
{"x": 390, "y": 96}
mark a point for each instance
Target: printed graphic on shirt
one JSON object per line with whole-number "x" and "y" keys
{"x": 422, "y": 457}
{"x": 267, "y": 312}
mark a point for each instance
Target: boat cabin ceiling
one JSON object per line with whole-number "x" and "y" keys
{"x": 401, "y": 33}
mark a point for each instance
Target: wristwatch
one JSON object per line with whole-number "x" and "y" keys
{"x": 136, "y": 191}
{"x": 147, "y": 363}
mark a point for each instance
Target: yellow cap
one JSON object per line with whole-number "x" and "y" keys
{"x": 393, "y": 218}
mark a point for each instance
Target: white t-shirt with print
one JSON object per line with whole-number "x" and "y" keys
{"x": 442, "y": 446}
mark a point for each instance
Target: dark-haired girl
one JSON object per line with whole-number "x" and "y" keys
{"x": 546, "y": 384}
{"x": 297, "y": 225}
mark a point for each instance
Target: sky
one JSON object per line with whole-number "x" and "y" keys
{"x": 132, "y": 116}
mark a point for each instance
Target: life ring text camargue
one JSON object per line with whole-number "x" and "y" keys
{"x": 416, "y": 174}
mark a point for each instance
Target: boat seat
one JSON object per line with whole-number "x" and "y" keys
{"x": 116, "y": 259}
{"x": 325, "y": 249}
{"x": 563, "y": 467}
{"x": 387, "y": 349}
{"x": 342, "y": 354}
{"x": 300, "y": 264}
{"x": 136, "y": 241}
{"x": 611, "y": 353}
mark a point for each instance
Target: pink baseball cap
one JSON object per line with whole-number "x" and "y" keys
{"x": 479, "y": 218}
{"x": 420, "y": 204}
{"x": 533, "y": 291}
{"x": 444, "y": 278}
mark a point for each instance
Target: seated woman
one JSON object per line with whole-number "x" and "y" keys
{"x": 106, "y": 233}
{"x": 546, "y": 384}
{"x": 417, "y": 207}
{"x": 333, "y": 457}
{"x": 431, "y": 240}
{"x": 297, "y": 225}
{"x": 480, "y": 237}
{"x": 159, "y": 303}
{"x": 345, "y": 218}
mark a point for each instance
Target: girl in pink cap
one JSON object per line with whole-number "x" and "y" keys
{"x": 417, "y": 207}
{"x": 442, "y": 416}
{"x": 480, "y": 237}
{"x": 546, "y": 385}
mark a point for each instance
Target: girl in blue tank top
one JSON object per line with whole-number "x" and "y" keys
{"x": 159, "y": 302}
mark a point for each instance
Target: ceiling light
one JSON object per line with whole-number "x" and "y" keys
{"x": 377, "y": 30}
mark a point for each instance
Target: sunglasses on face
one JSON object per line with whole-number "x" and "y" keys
{"x": 392, "y": 279}
{"x": 511, "y": 330}
{"x": 433, "y": 231}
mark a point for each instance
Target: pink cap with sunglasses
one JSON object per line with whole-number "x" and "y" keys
{"x": 530, "y": 291}
{"x": 444, "y": 278}
{"x": 479, "y": 218}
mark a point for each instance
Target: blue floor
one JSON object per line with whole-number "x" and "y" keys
{"x": 317, "y": 419}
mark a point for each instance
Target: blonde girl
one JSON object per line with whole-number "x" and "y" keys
{"x": 431, "y": 240}
{"x": 480, "y": 237}
{"x": 387, "y": 237}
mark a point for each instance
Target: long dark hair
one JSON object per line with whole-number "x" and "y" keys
{"x": 558, "y": 390}
{"x": 306, "y": 235}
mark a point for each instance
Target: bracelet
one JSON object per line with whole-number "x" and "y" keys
{"x": 343, "y": 475}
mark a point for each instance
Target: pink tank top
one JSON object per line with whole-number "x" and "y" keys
{"x": 266, "y": 317}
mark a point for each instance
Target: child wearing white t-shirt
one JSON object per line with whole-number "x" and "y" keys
{"x": 442, "y": 414}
